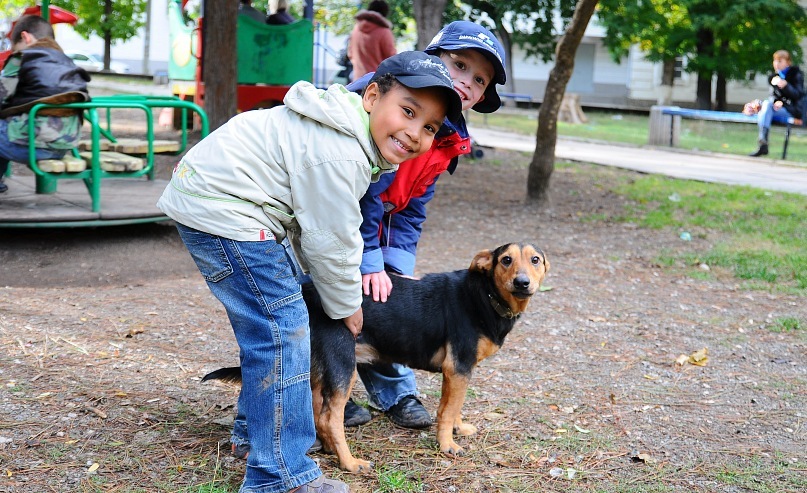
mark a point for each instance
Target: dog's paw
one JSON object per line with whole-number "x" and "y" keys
{"x": 452, "y": 449}
{"x": 465, "y": 430}
{"x": 357, "y": 466}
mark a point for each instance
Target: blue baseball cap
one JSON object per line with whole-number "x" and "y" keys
{"x": 462, "y": 35}
{"x": 419, "y": 70}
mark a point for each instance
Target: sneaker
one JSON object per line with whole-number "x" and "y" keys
{"x": 240, "y": 451}
{"x": 410, "y": 413}
{"x": 323, "y": 485}
{"x": 316, "y": 446}
{"x": 356, "y": 415}
{"x": 3, "y": 187}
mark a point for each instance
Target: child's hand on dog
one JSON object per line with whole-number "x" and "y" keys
{"x": 355, "y": 322}
{"x": 379, "y": 283}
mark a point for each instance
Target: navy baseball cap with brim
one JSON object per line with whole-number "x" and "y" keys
{"x": 418, "y": 70}
{"x": 462, "y": 35}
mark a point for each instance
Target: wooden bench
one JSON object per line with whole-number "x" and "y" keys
{"x": 100, "y": 163}
{"x": 665, "y": 123}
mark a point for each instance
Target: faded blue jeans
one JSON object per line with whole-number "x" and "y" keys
{"x": 765, "y": 118}
{"x": 256, "y": 283}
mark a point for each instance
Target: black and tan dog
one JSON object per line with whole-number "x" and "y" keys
{"x": 443, "y": 323}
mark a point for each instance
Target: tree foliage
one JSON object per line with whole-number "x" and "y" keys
{"x": 120, "y": 23}
{"x": 11, "y": 9}
{"x": 534, "y": 26}
{"x": 727, "y": 38}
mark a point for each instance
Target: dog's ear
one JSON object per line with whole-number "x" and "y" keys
{"x": 482, "y": 262}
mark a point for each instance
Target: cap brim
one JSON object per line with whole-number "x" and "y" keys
{"x": 491, "y": 103}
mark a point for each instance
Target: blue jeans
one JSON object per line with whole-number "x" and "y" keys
{"x": 256, "y": 283}
{"x": 388, "y": 383}
{"x": 19, "y": 153}
{"x": 765, "y": 118}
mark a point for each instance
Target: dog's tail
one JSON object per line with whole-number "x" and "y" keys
{"x": 229, "y": 375}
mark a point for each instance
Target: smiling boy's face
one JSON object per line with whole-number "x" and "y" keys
{"x": 471, "y": 73}
{"x": 404, "y": 121}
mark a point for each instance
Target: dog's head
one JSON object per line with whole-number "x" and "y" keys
{"x": 516, "y": 271}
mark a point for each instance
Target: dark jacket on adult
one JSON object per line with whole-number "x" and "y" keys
{"x": 792, "y": 95}
{"x": 45, "y": 71}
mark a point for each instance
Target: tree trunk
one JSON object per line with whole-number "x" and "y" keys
{"x": 107, "y": 34}
{"x": 146, "y": 39}
{"x": 219, "y": 62}
{"x": 667, "y": 81}
{"x": 543, "y": 161}
{"x": 720, "y": 86}
{"x": 705, "y": 41}
{"x": 429, "y": 19}
{"x": 720, "y": 93}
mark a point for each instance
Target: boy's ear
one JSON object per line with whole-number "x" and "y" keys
{"x": 370, "y": 96}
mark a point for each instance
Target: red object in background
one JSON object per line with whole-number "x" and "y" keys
{"x": 58, "y": 15}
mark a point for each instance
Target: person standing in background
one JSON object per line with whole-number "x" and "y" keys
{"x": 280, "y": 16}
{"x": 371, "y": 40}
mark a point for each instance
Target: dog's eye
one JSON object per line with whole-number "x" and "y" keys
{"x": 507, "y": 260}
{"x": 536, "y": 260}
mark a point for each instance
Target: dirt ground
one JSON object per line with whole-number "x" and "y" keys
{"x": 105, "y": 334}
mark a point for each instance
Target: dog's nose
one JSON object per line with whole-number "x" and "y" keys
{"x": 521, "y": 282}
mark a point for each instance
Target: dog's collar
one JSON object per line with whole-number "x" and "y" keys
{"x": 502, "y": 310}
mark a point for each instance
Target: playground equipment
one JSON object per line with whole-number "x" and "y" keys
{"x": 270, "y": 58}
{"x": 109, "y": 169}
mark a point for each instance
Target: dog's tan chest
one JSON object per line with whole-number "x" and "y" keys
{"x": 485, "y": 349}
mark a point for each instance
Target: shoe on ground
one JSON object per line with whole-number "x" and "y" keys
{"x": 316, "y": 446}
{"x": 356, "y": 415}
{"x": 240, "y": 451}
{"x": 323, "y": 485}
{"x": 3, "y": 187}
{"x": 410, "y": 413}
{"x": 762, "y": 151}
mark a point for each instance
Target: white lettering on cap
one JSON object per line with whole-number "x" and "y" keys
{"x": 416, "y": 65}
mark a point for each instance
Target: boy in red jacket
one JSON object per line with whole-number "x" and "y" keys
{"x": 394, "y": 208}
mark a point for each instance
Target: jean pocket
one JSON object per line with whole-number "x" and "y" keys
{"x": 208, "y": 253}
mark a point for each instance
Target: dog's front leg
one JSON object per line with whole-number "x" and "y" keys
{"x": 449, "y": 414}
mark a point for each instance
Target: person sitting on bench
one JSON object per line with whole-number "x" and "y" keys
{"x": 786, "y": 99}
{"x": 38, "y": 71}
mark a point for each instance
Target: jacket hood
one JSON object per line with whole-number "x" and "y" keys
{"x": 370, "y": 20}
{"x": 338, "y": 108}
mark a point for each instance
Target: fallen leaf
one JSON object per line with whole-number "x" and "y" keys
{"x": 680, "y": 360}
{"x": 596, "y": 319}
{"x": 94, "y": 467}
{"x": 581, "y": 430}
{"x": 699, "y": 358}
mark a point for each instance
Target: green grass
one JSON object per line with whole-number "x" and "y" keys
{"x": 757, "y": 235}
{"x": 631, "y": 128}
{"x": 787, "y": 324}
{"x": 392, "y": 480}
